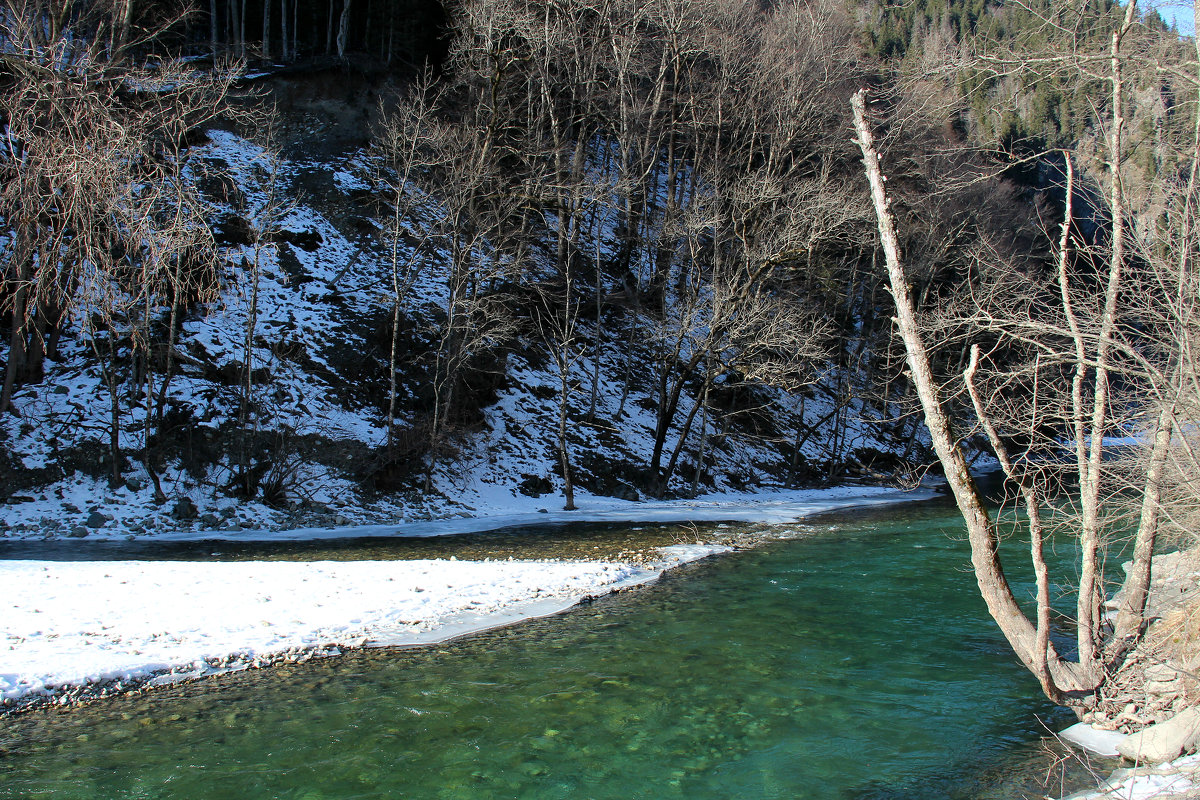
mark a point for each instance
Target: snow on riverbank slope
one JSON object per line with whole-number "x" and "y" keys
{"x": 92, "y": 624}
{"x": 498, "y": 509}
{"x": 70, "y": 624}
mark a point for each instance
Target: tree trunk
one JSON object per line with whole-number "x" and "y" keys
{"x": 1020, "y": 633}
{"x": 1089, "y": 599}
{"x": 123, "y": 23}
{"x": 168, "y": 367}
{"x": 108, "y": 369}
{"x": 213, "y": 21}
{"x": 329, "y": 29}
{"x": 1131, "y": 613}
{"x": 564, "y": 454}
{"x": 1040, "y": 666}
{"x": 266, "y": 31}
{"x": 284, "y": 41}
{"x": 242, "y": 29}
{"x": 15, "y": 368}
{"x": 247, "y": 479}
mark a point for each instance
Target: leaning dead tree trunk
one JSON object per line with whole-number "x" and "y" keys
{"x": 1057, "y": 676}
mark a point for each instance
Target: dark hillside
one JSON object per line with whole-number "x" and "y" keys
{"x": 619, "y": 249}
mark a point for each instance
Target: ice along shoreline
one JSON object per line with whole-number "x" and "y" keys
{"x": 80, "y": 631}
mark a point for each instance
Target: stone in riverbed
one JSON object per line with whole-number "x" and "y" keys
{"x": 1164, "y": 741}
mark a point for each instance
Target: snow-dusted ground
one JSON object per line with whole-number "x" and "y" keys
{"x": 69, "y": 625}
{"x": 501, "y": 508}
{"x": 72, "y": 625}
{"x": 1177, "y": 779}
{"x": 316, "y": 312}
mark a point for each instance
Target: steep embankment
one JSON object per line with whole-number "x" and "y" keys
{"x": 298, "y": 438}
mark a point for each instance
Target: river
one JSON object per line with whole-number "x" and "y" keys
{"x": 852, "y": 661}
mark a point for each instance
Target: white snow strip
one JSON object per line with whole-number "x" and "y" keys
{"x": 74, "y": 623}
{"x": 772, "y": 508}
{"x": 1175, "y": 779}
{"x": 70, "y": 624}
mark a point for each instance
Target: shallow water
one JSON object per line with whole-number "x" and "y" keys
{"x": 856, "y": 662}
{"x": 586, "y": 541}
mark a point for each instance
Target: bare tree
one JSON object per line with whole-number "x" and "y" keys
{"x": 1063, "y": 373}
{"x": 473, "y": 232}
{"x": 557, "y": 321}
{"x": 407, "y": 145}
{"x": 1052, "y": 671}
{"x": 107, "y": 225}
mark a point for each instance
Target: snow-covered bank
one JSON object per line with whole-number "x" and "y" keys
{"x": 1177, "y": 779}
{"x": 73, "y": 625}
{"x": 502, "y": 509}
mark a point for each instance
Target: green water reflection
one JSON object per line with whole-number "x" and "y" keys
{"x": 853, "y": 663}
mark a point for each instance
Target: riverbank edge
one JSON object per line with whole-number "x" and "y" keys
{"x": 1177, "y": 778}
{"x": 769, "y": 509}
{"x": 459, "y": 626}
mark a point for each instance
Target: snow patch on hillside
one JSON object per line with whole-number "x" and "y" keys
{"x": 316, "y": 307}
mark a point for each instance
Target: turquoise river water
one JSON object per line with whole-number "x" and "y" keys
{"x": 855, "y": 661}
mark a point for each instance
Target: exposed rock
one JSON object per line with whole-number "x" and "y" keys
{"x": 1174, "y": 578}
{"x": 78, "y": 532}
{"x": 308, "y": 240}
{"x": 534, "y": 485}
{"x": 1160, "y": 672}
{"x": 1162, "y": 687}
{"x": 184, "y": 509}
{"x": 1164, "y": 741}
{"x": 97, "y": 520}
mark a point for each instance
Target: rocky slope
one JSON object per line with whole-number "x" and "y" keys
{"x": 315, "y": 301}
